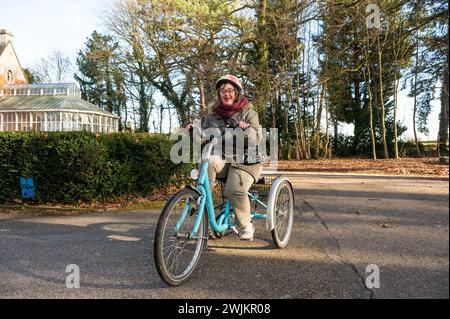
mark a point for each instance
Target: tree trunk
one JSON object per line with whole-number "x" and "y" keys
{"x": 201, "y": 89}
{"x": 416, "y": 71}
{"x": 275, "y": 104}
{"x": 263, "y": 59}
{"x": 161, "y": 115}
{"x": 287, "y": 112}
{"x": 443, "y": 117}
{"x": 369, "y": 90}
{"x": 383, "y": 112}
{"x": 359, "y": 125}
{"x": 144, "y": 114}
{"x": 335, "y": 133}
{"x": 318, "y": 120}
{"x": 109, "y": 90}
{"x": 395, "y": 115}
{"x": 170, "y": 119}
{"x": 307, "y": 73}
{"x": 327, "y": 147}
{"x": 299, "y": 112}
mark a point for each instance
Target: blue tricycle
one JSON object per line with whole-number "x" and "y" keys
{"x": 183, "y": 228}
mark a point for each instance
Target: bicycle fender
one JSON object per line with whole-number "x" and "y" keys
{"x": 270, "y": 219}
{"x": 195, "y": 189}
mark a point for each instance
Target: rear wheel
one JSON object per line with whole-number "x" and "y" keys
{"x": 176, "y": 251}
{"x": 283, "y": 214}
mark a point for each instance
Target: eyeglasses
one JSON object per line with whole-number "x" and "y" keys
{"x": 230, "y": 91}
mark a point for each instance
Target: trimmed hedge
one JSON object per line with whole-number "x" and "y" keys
{"x": 76, "y": 167}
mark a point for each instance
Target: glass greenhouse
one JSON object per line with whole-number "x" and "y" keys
{"x": 51, "y": 107}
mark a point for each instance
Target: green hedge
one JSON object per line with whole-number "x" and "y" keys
{"x": 76, "y": 167}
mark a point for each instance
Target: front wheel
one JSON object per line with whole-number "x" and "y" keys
{"x": 176, "y": 250}
{"x": 283, "y": 214}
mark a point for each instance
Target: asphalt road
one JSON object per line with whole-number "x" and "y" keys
{"x": 343, "y": 224}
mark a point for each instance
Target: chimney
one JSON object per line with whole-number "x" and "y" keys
{"x": 5, "y": 37}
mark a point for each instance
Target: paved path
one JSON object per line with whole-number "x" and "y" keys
{"x": 343, "y": 224}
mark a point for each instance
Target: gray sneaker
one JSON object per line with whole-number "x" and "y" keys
{"x": 247, "y": 232}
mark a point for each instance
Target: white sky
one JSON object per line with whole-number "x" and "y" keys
{"x": 405, "y": 117}
{"x": 41, "y": 27}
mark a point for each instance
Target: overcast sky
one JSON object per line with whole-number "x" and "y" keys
{"x": 41, "y": 27}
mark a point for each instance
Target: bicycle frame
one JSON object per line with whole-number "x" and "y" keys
{"x": 206, "y": 201}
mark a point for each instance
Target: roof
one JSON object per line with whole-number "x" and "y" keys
{"x": 4, "y": 31}
{"x": 41, "y": 89}
{"x": 3, "y": 45}
{"x": 39, "y": 85}
{"x": 49, "y": 103}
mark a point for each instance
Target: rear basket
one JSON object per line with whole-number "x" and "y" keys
{"x": 262, "y": 187}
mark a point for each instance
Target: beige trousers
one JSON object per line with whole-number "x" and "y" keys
{"x": 234, "y": 191}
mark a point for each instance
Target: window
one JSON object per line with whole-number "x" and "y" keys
{"x": 66, "y": 119}
{"x": 23, "y": 121}
{"x": 60, "y": 91}
{"x": 9, "y": 76}
{"x": 9, "y": 121}
{"x": 38, "y": 121}
{"x": 21, "y": 92}
{"x": 34, "y": 91}
{"x": 53, "y": 121}
{"x": 86, "y": 122}
{"x": 47, "y": 91}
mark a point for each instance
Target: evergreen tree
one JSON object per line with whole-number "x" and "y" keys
{"x": 99, "y": 75}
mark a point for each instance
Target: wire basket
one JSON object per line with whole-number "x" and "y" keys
{"x": 262, "y": 187}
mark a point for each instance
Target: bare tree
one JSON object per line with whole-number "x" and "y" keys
{"x": 56, "y": 68}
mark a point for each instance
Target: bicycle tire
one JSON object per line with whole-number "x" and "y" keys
{"x": 283, "y": 214}
{"x": 165, "y": 232}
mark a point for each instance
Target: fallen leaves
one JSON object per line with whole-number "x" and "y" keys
{"x": 403, "y": 166}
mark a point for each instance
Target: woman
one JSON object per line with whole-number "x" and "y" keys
{"x": 233, "y": 107}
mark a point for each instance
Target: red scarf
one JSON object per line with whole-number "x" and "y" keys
{"x": 229, "y": 111}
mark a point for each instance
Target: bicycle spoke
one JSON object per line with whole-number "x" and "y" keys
{"x": 174, "y": 248}
{"x": 186, "y": 241}
{"x": 283, "y": 213}
{"x": 178, "y": 252}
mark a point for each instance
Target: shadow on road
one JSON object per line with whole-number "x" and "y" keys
{"x": 330, "y": 247}
{"x": 38, "y": 253}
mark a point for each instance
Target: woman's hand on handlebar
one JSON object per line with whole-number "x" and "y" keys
{"x": 244, "y": 125}
{"x": 188, "y": 128}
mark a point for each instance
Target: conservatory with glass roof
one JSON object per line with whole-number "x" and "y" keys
{"x": 51, "y": 107}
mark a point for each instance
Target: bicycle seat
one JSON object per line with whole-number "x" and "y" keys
{"x": 222, "y": 179}
{"x": 261, "y": 180}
